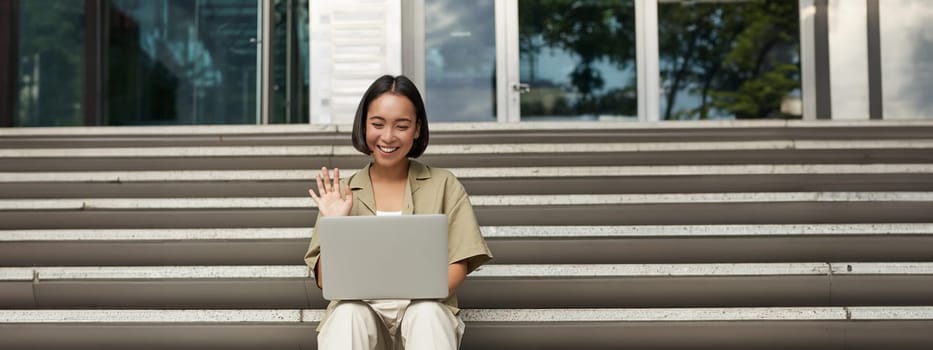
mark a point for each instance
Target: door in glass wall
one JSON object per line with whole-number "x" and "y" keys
{"x": 577, "y": 60}
{"x": 50, "y": 63}
{"x": 460, "y": 60}
{"x": 182, "y": 62}
{"x": 729, "y": 59}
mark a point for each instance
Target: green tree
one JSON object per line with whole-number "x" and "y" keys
{"x": 594, "y": 31}
{"x": 739, "y": 58}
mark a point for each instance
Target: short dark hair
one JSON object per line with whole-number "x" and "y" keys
{"x": 399, "y": 85}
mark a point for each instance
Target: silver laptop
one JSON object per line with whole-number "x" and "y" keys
{"x": 384, "y": 257}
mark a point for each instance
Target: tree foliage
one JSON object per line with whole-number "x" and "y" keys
{"x": 739, "y": 58}
{"x": 596, "y": 31}
{"x": 718, "y": 60}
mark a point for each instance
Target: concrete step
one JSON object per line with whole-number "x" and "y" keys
{"x": 493, "y": 286}
{"x": 485, "y": 181}
{"x": 510, "y": 244}
{"x": 728, "y": 328}
{"x": 735, "y": 236}
{"x": 472, "y": 133}
{"x": 480, "y": 155}
{"x": 719, "y": 328}
{"x": 710, "y": 243}
{"x": 606, "y": 209}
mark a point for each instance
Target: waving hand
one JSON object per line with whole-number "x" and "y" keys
{"x": 331, "y": 202}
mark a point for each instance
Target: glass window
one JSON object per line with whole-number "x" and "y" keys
{"x": 577, "y": 59}
{"x": 290, "y": 84}
{"x": 182, "y": 62}
{"x": 907, "y": 58}
{"x": 460, "y": 60}
{"x": 729, "y": 60}
{"x": 51, "y": 63}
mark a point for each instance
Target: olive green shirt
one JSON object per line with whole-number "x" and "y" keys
{"x": 428, "y": 191}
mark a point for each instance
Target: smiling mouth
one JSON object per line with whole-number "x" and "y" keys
{"x": 388, "y": 149}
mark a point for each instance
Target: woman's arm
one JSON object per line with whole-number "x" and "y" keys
{"x": 456, "y": 273}
{"x": 317, "y": 274}
{"x": 330, "y": 202}
{"x": 465, "y": 241}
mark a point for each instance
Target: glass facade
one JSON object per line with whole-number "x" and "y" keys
{"x": 290, "y": 80}
{"x": 577, "y": 59}
{"x": 182, "y": 62}
{"x": 152, "y": 62}
{"x": 907, "y": 53}
{"x": 460, "y": 60}
{"x": 50, "y": 55}
{"x": 185, "y": 62}
{"x": 729, "y": 60}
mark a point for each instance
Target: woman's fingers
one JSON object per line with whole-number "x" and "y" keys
{"x": 320, "y": 185}
{"x": 336, "y": 185}
{"x": 326, "y": 175}
{"x": 330, "y": 196}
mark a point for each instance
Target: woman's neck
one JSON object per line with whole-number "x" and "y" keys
{"x": 395, "y": 173}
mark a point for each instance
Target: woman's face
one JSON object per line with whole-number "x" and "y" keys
{"x": 391, "y": 129}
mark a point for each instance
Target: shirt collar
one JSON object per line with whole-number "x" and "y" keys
{"x": 361, "y": 185}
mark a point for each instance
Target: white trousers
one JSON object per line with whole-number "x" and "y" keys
{"x": 390, "y": 325}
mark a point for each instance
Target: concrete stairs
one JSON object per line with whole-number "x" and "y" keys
{"x": 705, "y": 235}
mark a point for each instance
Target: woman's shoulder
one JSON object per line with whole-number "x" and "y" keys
{"x": 424, "y": 171}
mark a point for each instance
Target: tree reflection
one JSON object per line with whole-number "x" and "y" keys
{"x": 595, "y": 33}
{"x": 717, "y": 60}
{"x": 732, "y": 59}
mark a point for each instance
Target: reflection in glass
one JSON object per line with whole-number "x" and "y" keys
{"x": 51, "y": 63}
{"x": 578, "y": 58}
{"x": 290, "y": 83}
{"x": 460, "y": 60}
{"x": 182, "y": 62}
{"x": 907, "y": 57}
{"x": 729, "y": 60}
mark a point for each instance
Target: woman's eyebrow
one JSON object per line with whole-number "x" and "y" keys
{"x": 396, "y": 121}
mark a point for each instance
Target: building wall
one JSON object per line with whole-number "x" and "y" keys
{"x": 125, "y": 62}
{"x": 352, "y": 42}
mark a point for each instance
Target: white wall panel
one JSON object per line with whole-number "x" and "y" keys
{"x": 352, "y": 43}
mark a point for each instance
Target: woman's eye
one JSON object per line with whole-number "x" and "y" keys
{"x": 377, "y": 125}
{"x": 403, "y": 127}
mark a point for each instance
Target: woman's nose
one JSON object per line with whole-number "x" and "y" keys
{"x": 387, "y": 136}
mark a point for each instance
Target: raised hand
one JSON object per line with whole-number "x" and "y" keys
{"x": 331, "y": 201}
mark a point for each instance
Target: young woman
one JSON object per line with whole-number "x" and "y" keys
{"x": 391, "y": 126}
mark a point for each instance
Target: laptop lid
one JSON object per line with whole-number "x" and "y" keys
{"x": 384, "y": 257}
